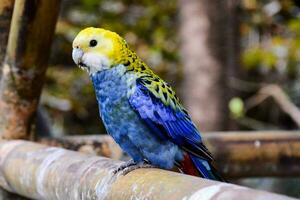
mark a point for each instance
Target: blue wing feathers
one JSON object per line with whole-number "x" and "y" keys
{"x": 206, "y": 169}
{"x": 203, "y": 167}
{"x": 158, "y": 129}
{"x": 166, "y": 122}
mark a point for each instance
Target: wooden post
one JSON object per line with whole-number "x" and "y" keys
{"x": 23, "y": 71}
{"x": 41, "y": 172}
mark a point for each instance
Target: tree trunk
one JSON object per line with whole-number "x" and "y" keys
{"x": 23, "y": 71}
{"x": 203, "y": 32}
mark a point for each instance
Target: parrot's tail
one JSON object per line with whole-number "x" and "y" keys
{"x": 196, "y": 166}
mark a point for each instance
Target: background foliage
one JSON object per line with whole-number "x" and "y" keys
{"x": 270, "y": 41}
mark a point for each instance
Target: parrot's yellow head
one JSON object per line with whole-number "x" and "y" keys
{"x": 96, "y": 49}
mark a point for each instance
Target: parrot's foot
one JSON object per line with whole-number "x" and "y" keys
{"x": 130, "y": 165}
{"x": 124, "y": 165}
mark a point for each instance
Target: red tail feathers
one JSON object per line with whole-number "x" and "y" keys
{"x": 188, "y": 167}
{"x": 196, "y": 166}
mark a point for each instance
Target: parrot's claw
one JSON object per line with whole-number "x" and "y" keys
{"x": 124, "y": 166}
{"x": 130, "y": 165}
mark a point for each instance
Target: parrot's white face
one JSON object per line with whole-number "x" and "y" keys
{"x": 95, "y": 49}
{"x": 91, "y": 62}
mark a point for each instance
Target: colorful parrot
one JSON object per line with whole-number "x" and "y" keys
{"x": 140, "y": 110}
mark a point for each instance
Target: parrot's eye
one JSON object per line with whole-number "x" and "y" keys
{"x": 93, "y": 43}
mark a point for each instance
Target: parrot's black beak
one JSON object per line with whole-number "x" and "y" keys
{"x": 81, "y": 64}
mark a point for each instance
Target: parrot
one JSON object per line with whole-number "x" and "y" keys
{"x": 139, "y": 109}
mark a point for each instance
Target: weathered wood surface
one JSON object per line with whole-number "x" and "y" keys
{"x": 238, "y": 154}
{"x": 42, "y": 172}
{"x": 23, "y": 72}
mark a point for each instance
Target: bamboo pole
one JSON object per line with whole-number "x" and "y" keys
{"x": 238, "y": 154}
{"x": 41, "y": 172}
{"x": 6, "y": 8}
{"x": 23, "y": 71}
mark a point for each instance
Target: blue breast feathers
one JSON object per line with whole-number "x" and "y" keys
{"x": 124, "y": 124}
